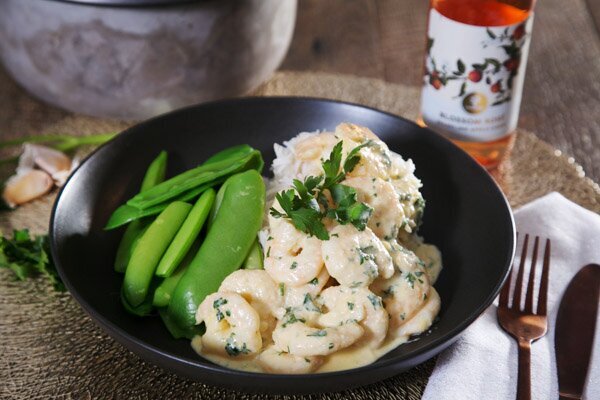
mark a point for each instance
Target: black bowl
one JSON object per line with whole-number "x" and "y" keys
{"x": 466, "y": 216}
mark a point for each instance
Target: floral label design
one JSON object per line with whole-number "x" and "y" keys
{"x": 473, "y": 78}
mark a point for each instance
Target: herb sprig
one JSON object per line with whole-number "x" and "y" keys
{"x": 28, "y": 256}
{"x": 306, "y": 204}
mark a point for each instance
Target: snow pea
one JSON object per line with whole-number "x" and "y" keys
{"x": 150, "y": 249}
{"x": 254, "y": 259}
{"x": 154, "y": 175}
{"x": 225, "y": 247}
{"x": 186, "y": 235}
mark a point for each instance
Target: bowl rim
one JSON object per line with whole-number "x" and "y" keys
{"x": 135, "y": 344}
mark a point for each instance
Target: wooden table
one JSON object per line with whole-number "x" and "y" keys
{"x": 386, "y": 39}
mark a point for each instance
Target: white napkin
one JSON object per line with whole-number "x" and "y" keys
{"x": 483, "y": 362}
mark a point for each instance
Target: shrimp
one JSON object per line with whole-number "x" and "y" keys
{"x": 428, "y": 253}
{"x": 232, "y": 325}
{"x": 375, "y": 158}
{"x": 355, "y": 258}
{"x": 405, "y": 292}
{"x": 280, "y": 362}
{"x": 423, "y": 319}
{"x": 258, "y": 289}
{"x": 388, "y": 215}
{"x": 293, "y": 257}
{"x": 311, "y": 150}
{"x": 300, "y": 339}
{"x": 358, "y": 304}
{"x": 303, "y": 299}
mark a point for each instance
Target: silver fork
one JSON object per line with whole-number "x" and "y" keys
{"x": 525, "y": 324}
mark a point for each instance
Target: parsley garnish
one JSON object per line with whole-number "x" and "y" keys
{"x": 294, "y": 265}
{"x": 365, "y": 253}
{"x": 309, "y": 304}
{"x": 232, "y": 349}
{"x": 410, "y": 278}
{"x": 28, "y": 256}
{"x": 217, "y": 304}
{"x": 375, "y": 300}
{"x": 350, "y": 306}
{"x": 319, "y": 333}
{"x": 301, "y": 204}
{"x": 281, "y": 289}
{"x": 290, "y": 318}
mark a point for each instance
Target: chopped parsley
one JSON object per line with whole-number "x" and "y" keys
{"x": 290, "y": 318}
{"x": 319, "y": 333}
{"x": 232, "y": 349}
{"x": 314, "y": 281}
{"x": 366, "y": 253}
{"x": 388, "y": 292}
{"x": 403, "y": 316}
{"x": 355, "y": 284}
{"x": 331, "y": 346}
{"x": 309, "y": 304}
{"x": 375, "y": 300}
{"x": 410, "y": 278}
{"x": 350, "y": 306}
{"x": 217, "y": 306}
{"x": 281, "y": 289}
{"x": 294, "y": 265}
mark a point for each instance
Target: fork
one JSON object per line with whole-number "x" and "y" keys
{"x": 525, "y": 325}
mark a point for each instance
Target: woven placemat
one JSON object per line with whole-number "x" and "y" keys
{"x": 51, "y": 349}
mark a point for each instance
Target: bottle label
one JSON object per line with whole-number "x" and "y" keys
{"x": 474, "y": 78}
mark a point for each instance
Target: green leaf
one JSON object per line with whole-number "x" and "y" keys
{"x": 309, "y": 221}
{"x": 495, "y": 63}
{"x": 331, "y": 166}
{"x": 463, "y": 89}
{"x": 490, "y": 33}
{"x": 28, "y": 256}
{"x": 353, "y": 157}
{"x": 461, "y": 66}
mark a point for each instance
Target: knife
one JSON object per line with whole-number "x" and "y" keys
{"x": 575, "y": 328}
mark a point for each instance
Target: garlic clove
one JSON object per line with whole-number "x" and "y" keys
{"x": 61, "y": 177}
{"x": 26, "y": 186}
{"x": 50, "y": 160}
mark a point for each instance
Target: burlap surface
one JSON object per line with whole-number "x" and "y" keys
{"x": 49, "y": 348}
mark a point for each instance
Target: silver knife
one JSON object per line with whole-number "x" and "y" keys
{"x": 575, "y": 328}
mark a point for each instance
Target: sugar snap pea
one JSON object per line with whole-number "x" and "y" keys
{"x": 186, "y": 235}
{"x": 196, "y": 177}
{"x": 187, "y": 185}
{"x": 254, "y": 259}
{"x": 164, "y": 291}
{"x": 154, "y": 175}
{"x": 216, "y": 204}
{"x": 150, "y": 249}
{"x": 230, "y": 152}
{"x": 225, "y": 247}
{"x": 127, "y": 214}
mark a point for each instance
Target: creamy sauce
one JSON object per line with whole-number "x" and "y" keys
{"x": 351, "y": 357}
